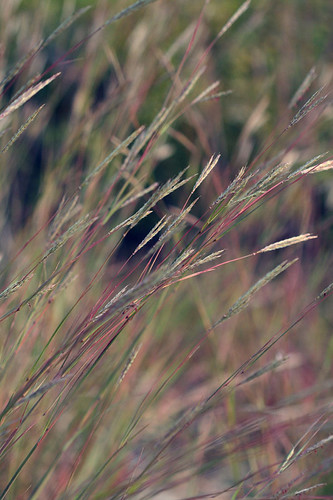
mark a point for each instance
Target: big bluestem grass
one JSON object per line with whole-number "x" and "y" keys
{"x": 164, "y": 331}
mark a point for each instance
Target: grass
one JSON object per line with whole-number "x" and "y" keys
{"x": 166, "y": 285}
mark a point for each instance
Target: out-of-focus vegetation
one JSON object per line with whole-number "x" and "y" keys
{"x": 154, "y": 344}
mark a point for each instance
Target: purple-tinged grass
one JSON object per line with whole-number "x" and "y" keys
{"x": 157, "y": 370}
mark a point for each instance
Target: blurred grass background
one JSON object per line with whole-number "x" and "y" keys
{"x": 114, "y": 82}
